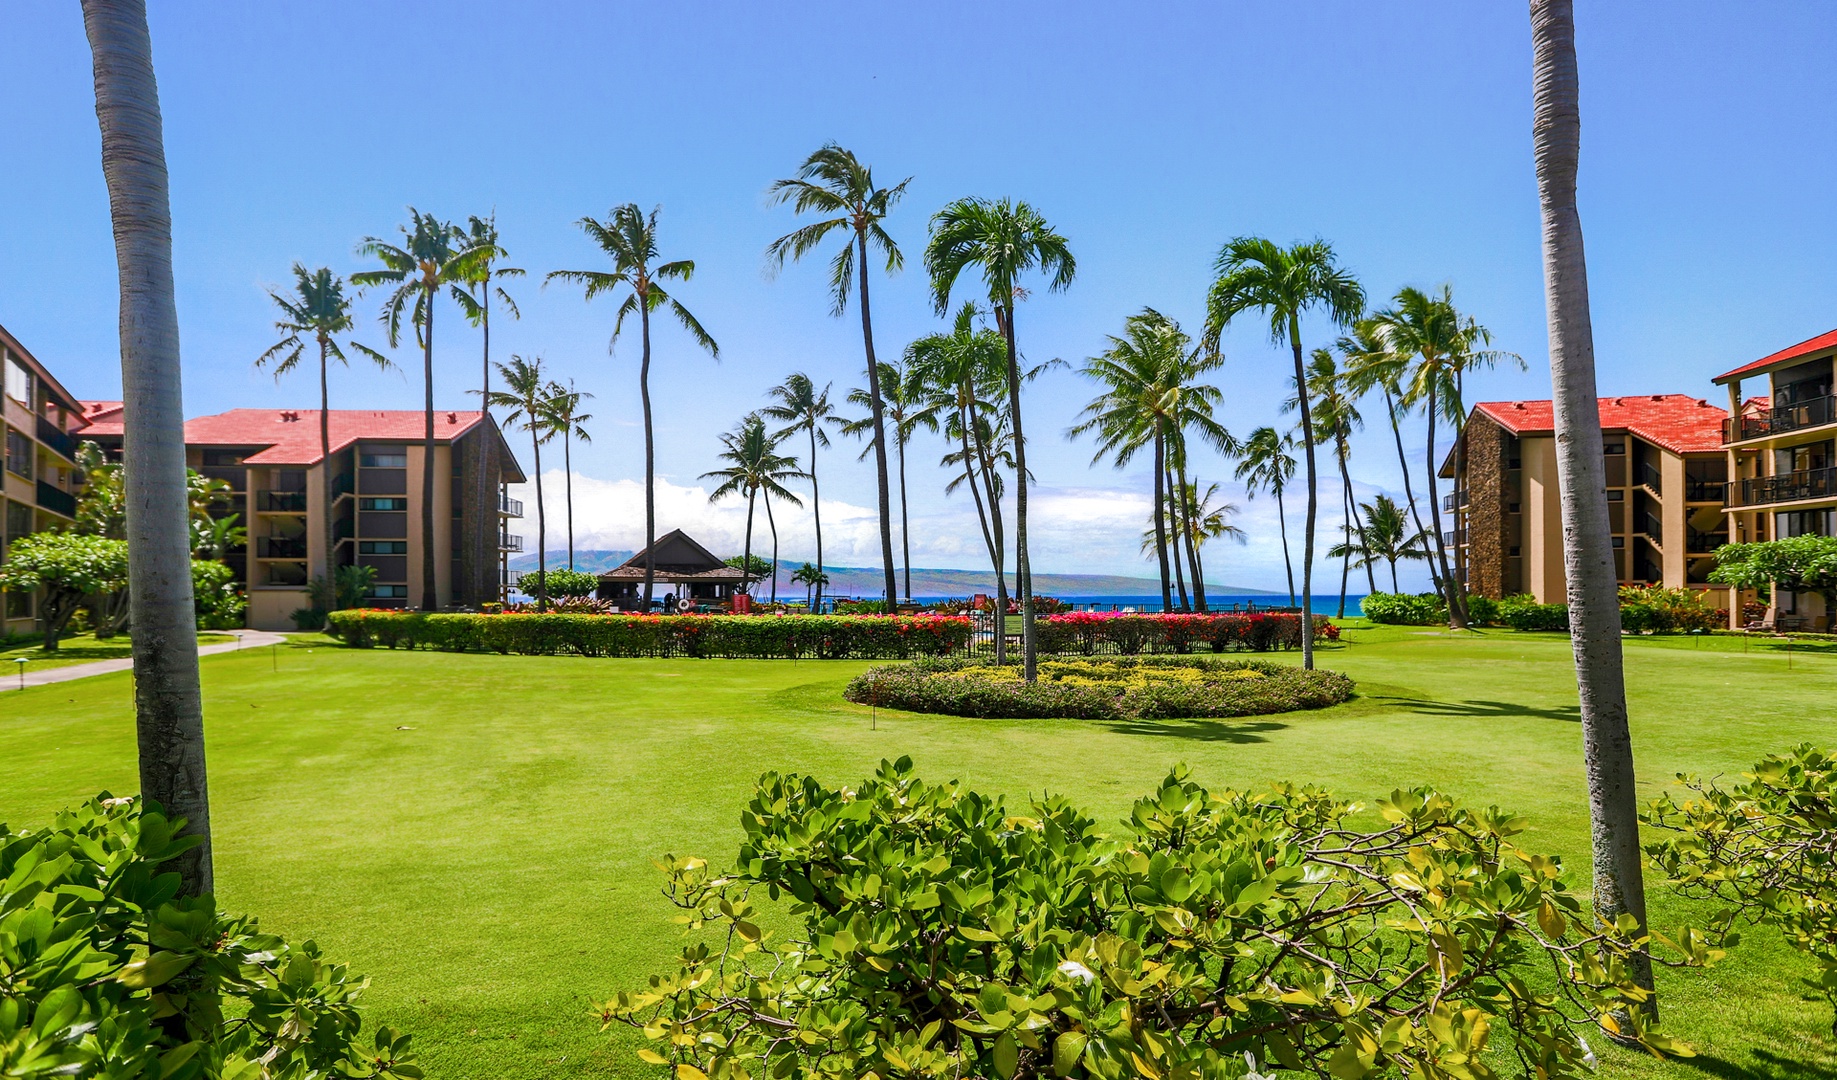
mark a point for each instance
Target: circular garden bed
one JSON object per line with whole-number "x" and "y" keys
{"x": 1101, "y": 688}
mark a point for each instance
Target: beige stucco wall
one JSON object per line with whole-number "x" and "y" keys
{"x": 443, "y": 523}
{"x": 272, "y": 608}
{"x": 1541, "y": 547}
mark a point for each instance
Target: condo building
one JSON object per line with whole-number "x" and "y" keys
{"x": 39, "y": 482}
{"x": 279, "y": 481}
{"x": 1665, "y": 468}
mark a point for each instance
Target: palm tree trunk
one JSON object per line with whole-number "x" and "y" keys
{"x": 905, "y": 528}
{"x": 769, "y": 520}
{"x": 1393, "y": 563}
{"x": 567, "y": 465}
{"x": 430, "y": 588}
{"x": 1287, "y": 563}
{"x": 650, "y": 457}
{"x": 1191, "y": 534}
{"x": 1345, "y": 513}
{"x": 542, "y": 525}
{"x": 1160, "y": 519}
{"x": 1307, "y": 535}
{"x": 1403, "y": 462}
{"x": 1588, "y": 555}
{"x": 880, "y": 431}
{"x": 1173, "y": 543}
{"x": 982, "y": 518}
{"x": 1449, "y": 586}
{"x": 168, "y": 709}
{"x": 816, "y": 508}
{"x": 488, "y": 501}
{"x": 325, "y": 465}
{"x": 998, "y": 548}
{"x": 746, "y": 552}
{"x": 1023, "y": 569}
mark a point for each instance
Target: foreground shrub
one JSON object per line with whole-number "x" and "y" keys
{"x": 561, "y": 583}
{"x": 1481, "y": 610}
{"x": 1768, "y": 848}
{"x": 945, "y": 934}
{"x": 1111, "y": 688}
{"x": 1523, "y": 612}
{"x": 1404, "y": 609}
{"x": 103, "y": 973}
{"x": 1653, "y": 608}
{"x": 825, "y": 637}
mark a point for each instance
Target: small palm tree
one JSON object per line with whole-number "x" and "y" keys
{"x": 901, "y": 396}
{"x": 1006, "y": 241}
{"x": 799, "y": 406}
{"x": 317, "y": 310}
{"x": 629, "y": 238}
{"x": 1385, "y": 535}
{"x": 834, "y": 183}
{"x": 1371, "y": 365}
{"x": 570, "y": 424}
{"x": 754, "y": 466}
{"x": 1208, "y": 518}
{"x": 1269, "y": 465}
{"x": 530, "y": 401}
{"x": 433, "y": 255}
{"x": 813, "y": 581}
{"x": 1285, "y": 283}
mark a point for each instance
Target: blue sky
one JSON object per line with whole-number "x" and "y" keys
{"x": 1400, "y": 132}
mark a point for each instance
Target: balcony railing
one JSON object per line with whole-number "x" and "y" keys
{"x": 1811, "y": 412}
{"x": 1786, "y": 487}
{"x": 54, "y": 438}
{"x": 1702, "y": 543}
{"x": 281, "y": 547}
{"x": 510, "y": 507}
{"x": 285, "y": 502}
{"x": 1650, "y": 476}
{"x": 510, "y": 542}
{"x": 1654, "y": 528}
{"x": 55, "y": 499}
{"x": 1453, "y": 500}
{"x": 1704, "y": 490}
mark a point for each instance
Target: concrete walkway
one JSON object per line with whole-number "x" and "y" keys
{"x": 247, "y": 639}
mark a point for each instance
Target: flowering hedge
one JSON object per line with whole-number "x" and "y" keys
{"x": 824, "y": 637}
{"x": 1090, "y": 632}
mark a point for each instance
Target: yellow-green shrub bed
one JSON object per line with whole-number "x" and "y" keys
{"x": 1106, "y": 688}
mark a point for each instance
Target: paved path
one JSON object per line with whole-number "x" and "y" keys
{"x": 247, "y": 639}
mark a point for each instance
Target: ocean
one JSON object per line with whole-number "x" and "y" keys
{"x": 1323, "y": 604}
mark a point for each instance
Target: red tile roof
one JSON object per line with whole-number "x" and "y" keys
{"x": 1804, "y": 348}
{"x": 291, "y": 436}
{"x": 1677, "y": 422}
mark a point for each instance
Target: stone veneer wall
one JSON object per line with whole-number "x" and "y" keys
{"x": 475, "y": 569}
{"x": 1486, "y": 496}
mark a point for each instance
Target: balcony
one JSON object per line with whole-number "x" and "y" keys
{"x": 54, "y": 439}
{"x": 234, "y": 475}
{"x": 1452, "y": 501}
{"x": 510, "y": 507}
{"x": 282, "y": 502}
{"x": 1812, "y": 412}
{"x": 1703, "y": 543}
{"x": 509, "y": 542}
{"x": 1784, "y": 488}
{"x": 1651, "y": 478}
{"x": 55, "y": 499}
{"x": 281, "y": 547}
{"x": 1709, "y": 491}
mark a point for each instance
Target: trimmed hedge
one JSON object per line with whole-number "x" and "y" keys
{"x": 1113, "y": 688}
{"x": 824, "y": 637}
{"x": 1404, "y": 609}
{"x": 1090, "y": 633}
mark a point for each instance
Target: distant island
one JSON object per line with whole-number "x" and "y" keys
{"x": 865, "y": 580}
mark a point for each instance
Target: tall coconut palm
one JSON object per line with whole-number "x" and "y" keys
{"x": 433, "y": 255}
{"x": 799, "y": 406}
{"x": 1336, "y": 417}
{"x": 570, "y": 424}
{"x": 902, "y": 401}
{"x": 1371, "y": 365}
{"x": 1588, "y": 556}
{"x": 1005, "y": 241}
{"x": 529, "y": 397}
{"x": 1440, "y": 345}
{"x": 629, "y": 238}
{"x": 754, "y": 466}
{"x": 1268, "y": 465}
{"x": 318, "y": 310}
{"x": 168, "y": 708}
{"x": 834, "y": 183}
{"x": 1284, "y": 284}
{"x": 482, "y": 283}
{"x": 1189, "y": 412}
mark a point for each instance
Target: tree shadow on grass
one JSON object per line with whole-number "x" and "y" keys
{"x": 1485, "y": 710}
{"x": 1226, "y": 731}
{"x": 1767, "y": 1066}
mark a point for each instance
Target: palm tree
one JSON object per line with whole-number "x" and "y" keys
{"x": 168, "y": 708}
{"x": 834, "y": 182}
{"x": 813, "y": 580}
{"x": 1588, "y": 557}
{"x": 800, "y": 407}
{"x": 1208, "y": 518}
{"x": 1370, "y": 364}
{"x": 483, "y": 275}
{"x": 531, "y": 401}
{"x": 754, "y": 466}
{"x": 1385, "y": 534}
{"x": 318, "y": 309}
{"x": 1336, "y": 417}
{"x": 434, "y": 254}
{"x": 901, "y": 398}
{"x": 1284, "y": 284}
{"x": 629, "y": 237}
{"x": 570, "y": 424}
{"x": 1006, "y": 240}
{"x": 1268, "y": 465}
{"x": 1440, "y": 345}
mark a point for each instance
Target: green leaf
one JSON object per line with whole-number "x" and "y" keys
{"x": 1007, "y": 1054}
{"x": 1067, "y": 1049}
{"x": 155, "y": 970}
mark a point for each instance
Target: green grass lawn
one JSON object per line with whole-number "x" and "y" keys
{"x": 79, "y": 649}
{"x": 476, "y": 832}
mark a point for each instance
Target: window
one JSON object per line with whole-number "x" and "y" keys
{"x": 18, "y": 520}
{"x": 382, "y": 547}
{"x": 1616, "y": 496}
{"x": 18, "y": 453}
{"x": 1614, "y": 448}
{"x": 382, "y": 504}
{"x": 19, "y": 605}
{"x": 18, "y": 381}
{"x": 1514, "y": 552}
{"x": 1620, "y": 541}
{"x": 387, "y": 592}
{"x": 391, "y": 460}
{"x": 1510, "y": 508}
